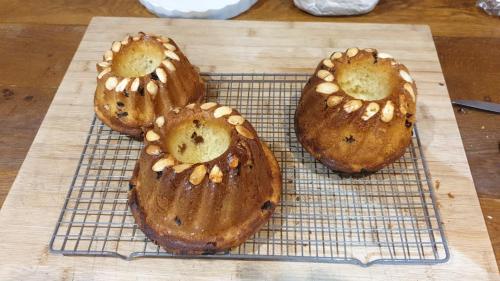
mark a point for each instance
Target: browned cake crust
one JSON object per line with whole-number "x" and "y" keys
{"x": 357, "y": 134}
{"x": 210, "y": 206}
{"x": 140, "y": 76}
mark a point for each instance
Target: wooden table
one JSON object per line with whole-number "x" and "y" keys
{"x": 40, "y": 37}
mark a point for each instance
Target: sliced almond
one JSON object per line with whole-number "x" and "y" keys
{"x": 152, "y": 88}
{"x": 111, "y": 83}
{"x": 169, "y": 65}
{"x": 181, "y": 168}
{"x": 108, "y": 55}
{"x": 334, "y": 100}
{"x": 236, "y": 120}
{"x": 409, "y": 88}
{"x": 405, "y": 76}
{"x": 104, "y": 72}
{"x": 327, "y": 88}
{"x": 125, "y": 40}
{"x": 351, "y": 52}
{"x": 328, "y": 63}
{"x": 159, "y": 165}
{"x": 176, "y": 110}
{"x": 216, "y": 174}
{"x": 152, "y": 136}
{"x": 163, "y": 163}
{"x": 169, "y": 46}
{"x": 244, "y": 132}
{"x": 198, "y": 174}
{"x": 135, "y": 84}
{"x": 115, "y": 47}
{"x": 371, "y": 109}
{"x": 387, "y": 112}
{"x": 153, "y": 149}
{"x": 104, "y": 64}
{"x": 325, "y": 75}
{"x": 122, "y": 85}
{"x": 164, "y": 39}
{"x": 402, "y": 104}
{"x": 190, "y": 106}
{"x": 172, "y": 55}
{"x": 336, "y": 55}
{"x": 222, "y": 111}
{"x": 233, "y": 162}
{"x": 136, "y": 38}
{"x": 208, "y": 105}
{"x": 384, "y": 56}
{"x": 162, "y": 75}
{"x": 352, "y": 105}
{"x": 160, "y": 121}
{"x": 369, "y": 50}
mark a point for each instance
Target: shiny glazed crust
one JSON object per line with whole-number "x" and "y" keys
{"x": 352, "y": 135}
{"x": 204, "y": 207}
{"x": 126, "y": 104}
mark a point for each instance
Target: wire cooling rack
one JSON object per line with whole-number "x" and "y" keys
{"x": 388, "y": 217}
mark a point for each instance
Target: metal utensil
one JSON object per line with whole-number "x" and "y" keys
{"x": 483, "y": 105}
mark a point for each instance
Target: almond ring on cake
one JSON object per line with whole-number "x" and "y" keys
{"x": 140, "y": 76}
{"x": 204, "y": 181}
{"x": 357, "y": 111}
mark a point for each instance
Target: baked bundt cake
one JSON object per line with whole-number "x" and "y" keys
{"x": 356, "y": 112}
{"x": 140, "y": 76}
{"x": 204, "y": 182}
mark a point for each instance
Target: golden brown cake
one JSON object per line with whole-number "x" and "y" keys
{"x": 140, "y": 76}
{"x": 357, "y": 111}
{"x": 204, "y": 182}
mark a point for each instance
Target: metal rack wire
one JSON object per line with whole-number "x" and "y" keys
{"x": 388, "y": 217}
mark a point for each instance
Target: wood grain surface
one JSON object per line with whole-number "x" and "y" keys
{"x": 46, "y": 33}
{"x": 33, "y": 204}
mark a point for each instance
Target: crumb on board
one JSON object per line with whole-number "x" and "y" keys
{"x": 489, "y": 217}
{"x": 437, "y": 183}
{"x": 451, "y": 195}
{"x": 482, "y": 127}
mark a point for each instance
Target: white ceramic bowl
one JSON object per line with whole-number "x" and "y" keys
{"x": 198, "y": 9}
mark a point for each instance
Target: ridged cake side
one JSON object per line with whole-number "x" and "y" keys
{"x": 357, "y": 111}
{"x": 141, "y": 76}
{"x": 206, "y": 207}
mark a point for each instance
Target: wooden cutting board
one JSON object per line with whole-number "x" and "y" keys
{"x": 32, "y": 207}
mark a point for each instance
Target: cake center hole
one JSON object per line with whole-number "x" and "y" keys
{"x": 198, "y": 141}
{"x": 137, "y": 58}
{"x": 365, "y": 80}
